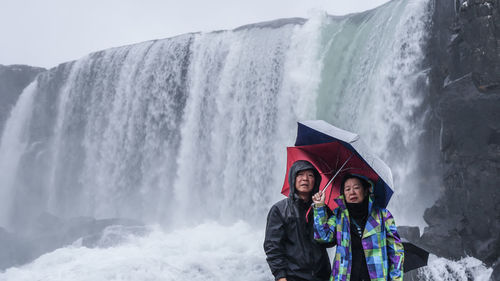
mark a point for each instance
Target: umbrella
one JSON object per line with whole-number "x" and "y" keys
{"x": 415, "y": 257}
{"x": 335, "y": 152}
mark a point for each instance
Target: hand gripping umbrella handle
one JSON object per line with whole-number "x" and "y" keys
{"x": 329, "y": 182}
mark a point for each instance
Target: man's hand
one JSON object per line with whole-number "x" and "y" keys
{"x": 282, "y": 279}
{"x": 319, "y": 198}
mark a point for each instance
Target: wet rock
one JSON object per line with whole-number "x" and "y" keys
{"x": 495, "y": 276}
{"x": 13, "y": 79}
{"x": 465, "y": 80}
{"x": 49, "y": 232}
{"x": 478, "y": 51}
{"x": 410, "y": 233}
{"x": 15, "y": 250}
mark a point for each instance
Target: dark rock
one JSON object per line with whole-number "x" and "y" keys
{"x": 49, "y": 232}
{"x": 465, "y": 80}
{"x": 15, "y": 250}
{"x": 495, "y": 276}
{"x": 273, "y": 23}
{"x": 478, "y": 50}
{"x": 112, "y": 236}
{"x": 468, "y": 215}
{"x": 412, "y": 276}
{"x": 410, "y": 233}
{"x": 13, "y": 79}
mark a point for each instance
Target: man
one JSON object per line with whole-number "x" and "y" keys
{"x": 292, "y": 253}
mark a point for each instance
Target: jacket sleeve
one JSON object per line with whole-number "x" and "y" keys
{"x": 324, "y": 227}
{"x": 273, "y": 243}
{"x": 395, "y": 250}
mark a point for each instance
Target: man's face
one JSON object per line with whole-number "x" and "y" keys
{"x": 304, "y": 181}
{"x": 354, "y": 191}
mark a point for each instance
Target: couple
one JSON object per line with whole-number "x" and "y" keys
{"x": 368, "y": 245}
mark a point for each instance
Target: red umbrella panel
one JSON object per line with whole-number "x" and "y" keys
{"x": 328, "y": 159}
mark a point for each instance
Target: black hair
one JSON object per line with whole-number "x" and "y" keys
{"x": 366, "y": 185}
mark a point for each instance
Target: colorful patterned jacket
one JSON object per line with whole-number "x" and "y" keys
{"x": 381, "y": 242}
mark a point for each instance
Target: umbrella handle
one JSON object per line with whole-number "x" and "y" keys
{"x": 331, "y": 180}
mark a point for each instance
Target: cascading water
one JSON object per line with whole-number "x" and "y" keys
{"x": 377, "y": 88}
{"x": 150, "y": 130}
{"x": 104, "y": 135}
{"x": 190, "y": 133}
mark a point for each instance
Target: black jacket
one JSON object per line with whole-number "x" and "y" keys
{"x": 289, "y": 245}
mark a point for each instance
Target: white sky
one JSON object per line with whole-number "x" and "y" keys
{"x": 48, "y": 32}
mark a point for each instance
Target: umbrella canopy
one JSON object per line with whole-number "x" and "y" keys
{"x": 336, "y": 152}
{"x": 415, "y": 257}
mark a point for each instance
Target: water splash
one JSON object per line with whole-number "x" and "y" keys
{"x": 466, "y": 269}
{"x": 206, "y": 252}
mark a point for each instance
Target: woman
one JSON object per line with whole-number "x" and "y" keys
{"x": 368, "y": 244}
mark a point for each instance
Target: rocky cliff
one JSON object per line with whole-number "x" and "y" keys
{"x": 464, "y": 55}
{"x": 13, "y": 79}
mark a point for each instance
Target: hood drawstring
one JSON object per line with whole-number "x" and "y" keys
{"x": 307, "y": 213}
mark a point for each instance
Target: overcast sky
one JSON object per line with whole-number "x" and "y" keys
{"x": 48, "y": 32}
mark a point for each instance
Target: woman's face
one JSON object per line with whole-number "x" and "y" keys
{"x": 354, "y": 191}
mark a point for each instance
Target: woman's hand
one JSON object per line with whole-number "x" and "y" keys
{"x": 319, "y": 198}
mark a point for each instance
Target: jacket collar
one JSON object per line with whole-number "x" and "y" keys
{"x": 372, "y": 224}
{"x": 342, "y": 203}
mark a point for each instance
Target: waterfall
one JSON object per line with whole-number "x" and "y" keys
{"x": 14, "y": 143}
{"x": 188, "y": 135}
{"x": 102, "y": 134}
{"x": 377, "y": 88}
{"x": 148, "y": 131}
